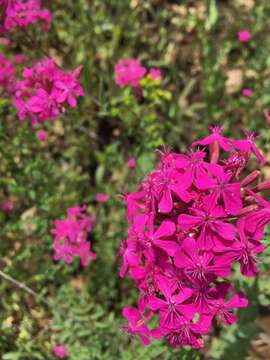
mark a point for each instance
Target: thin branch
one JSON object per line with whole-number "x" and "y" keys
{"x": 24, "y": 287}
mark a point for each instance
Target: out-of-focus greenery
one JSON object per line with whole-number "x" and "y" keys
{"x": 204, "y": 68}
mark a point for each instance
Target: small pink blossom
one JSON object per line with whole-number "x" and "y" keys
{"x": 248, "y": 146}
{"x": 131, "y": 163}
{"x": 7, "y": 205}
{"x": 60, "y": 351}
{"x": 136, "y": 325}
{"x": 215, "y": 137}
{"x": 7, "y": 75}
{"x": 102, "y": 197}
{"x": 4, "y": 41}
{"x": 128, "y": 72}
{"x": 42, "y": 135}
{"x": 155, "y": 74}
{"x": 244, "y": 36}
{"x": 19, "y": 59}
{"x": 247, "y": 92}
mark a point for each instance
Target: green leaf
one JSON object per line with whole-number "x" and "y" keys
{"x": 146, "y": 162}
{"x": 100, "y": 173}
{"x": 11, "y": 356}
{"x": 212, "y": 15}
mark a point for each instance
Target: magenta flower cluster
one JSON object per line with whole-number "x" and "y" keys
{"x": 244, "y": 36}
{"x": 129, "y": 72}
{"x": 71, "y": 236}
{"x": 60, "y": 351}
{"x": 45, "y": 91}
{"x": 191, "y": 220}
{"x": 22, "y": 13}
{"x": 7, "y": 75}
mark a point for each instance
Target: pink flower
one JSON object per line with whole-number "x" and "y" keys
{"x": 193, "y": 168}
{"x": 255, "y": 221}
{"x": 188, "y": 333}
{"x": 222, "y": 189}
{"x": 191, "y": 219}
{"x": 19, "y": 59}
{"x": 171, "y": 309}
{"x": 216, "y": 136}
{"x": 42, "y": 135}
{"x": 60, "y": 351}
{"x": 68, "y": 88}
{"x": 166, "y": 184}
{"x": 128, "y": 72}
{"x": 7, "y": 205}
{"x": 248, "y": 146}
{"x": 244, "y": 36}
{"x": 131, "y": 163}
{"x": 155, "y": 74}
{"x": 213, "y": 229}
{"x": 102, "y": 198}
{"x": 247, "y": 92}
{"x": 136, "y": 324}
{"x": 133, "y": 203}
{"x": 266, "y": 116}
{"x": 159, "y": 237}
{"x": 71, "y": 237}
{"x": 64, "y": 251}
{"x": 224, "y": 309}
{"x": 245, "y": 252}
{"x": 197, "y": 265}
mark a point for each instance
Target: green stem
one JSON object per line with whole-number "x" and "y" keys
{"x": 24, "y": 287}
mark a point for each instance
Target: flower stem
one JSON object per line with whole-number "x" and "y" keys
{"x": 24, "y": 287}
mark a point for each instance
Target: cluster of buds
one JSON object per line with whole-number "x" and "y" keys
{"x": 191, "y": 220}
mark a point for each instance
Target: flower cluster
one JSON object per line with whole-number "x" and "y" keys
{"x": 7, "y": 206}
{"x": 60, "y": 351}
{"x": 190, "y": 220}
{"x": 129, "y": 72}
{"x": 102, "y": 197}
{"x": 7, "y": 75}
{"x": 244, "y": 36}
{"x": 42, "y": 135}
{"x": 45, "y": 91}
{"x": 21, "y": 14}
{"x": 131, "y": 163}
{"x": 247, "y": 92}
{"x": 71, "y": 236}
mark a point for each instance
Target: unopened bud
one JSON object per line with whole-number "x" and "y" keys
{"x": 250, "y": 199}
{"x": 266, "y": 116}
{"x": 214, "y": 152}
{"x": 251, "y": 177}
{"x": 248, "y": 209}
{"x": 265, "y": 185}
